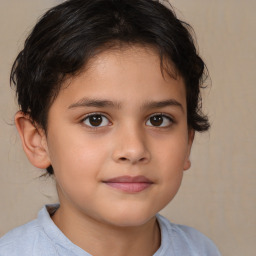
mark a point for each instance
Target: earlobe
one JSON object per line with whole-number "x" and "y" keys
{"x": 187, "y": 163}
{"x": 33, "y": 141}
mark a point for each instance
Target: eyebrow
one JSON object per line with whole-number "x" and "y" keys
{"x": 101, "y": 103}
{"x": 162, "y": 104}
{"x": 98, "y": 103}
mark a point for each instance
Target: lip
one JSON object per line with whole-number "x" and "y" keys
{"x": 129, "y": 184}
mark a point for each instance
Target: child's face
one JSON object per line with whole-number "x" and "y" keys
{"x": 137, "y": 129}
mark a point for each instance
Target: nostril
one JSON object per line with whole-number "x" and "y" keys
{"x": 123, "y": 159}
{"x": 142, "y": 159}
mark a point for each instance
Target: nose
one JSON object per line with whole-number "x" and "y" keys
{"x": 130, "y": 147}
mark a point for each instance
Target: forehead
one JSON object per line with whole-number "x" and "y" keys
{"x": 127, "y": 74}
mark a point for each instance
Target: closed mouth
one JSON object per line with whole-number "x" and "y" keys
{"x": 129, "y": 184}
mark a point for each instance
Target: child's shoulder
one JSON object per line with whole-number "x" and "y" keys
{"x": 19, "y": 240}
{"x": 39, "y": 237}
{"x": 24, "y": 240}
{"x": 184, "y": 240}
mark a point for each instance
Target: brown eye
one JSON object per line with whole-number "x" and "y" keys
{"x": 96, "y": 120}
{"x": 159, "y": 121}
{"x": 156, "y": 120}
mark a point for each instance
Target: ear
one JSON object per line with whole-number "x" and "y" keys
{"x": 187, "y": 163}
{"x": 33, "y": 141}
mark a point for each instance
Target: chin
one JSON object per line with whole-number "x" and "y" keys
{"x": 130, "y": 219}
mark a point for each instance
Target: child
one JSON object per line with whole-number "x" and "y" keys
{"x": 109, "y": 103}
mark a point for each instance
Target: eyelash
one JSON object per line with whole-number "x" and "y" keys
{"x": 164, "y": 116}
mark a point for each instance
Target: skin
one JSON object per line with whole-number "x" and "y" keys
{"x": 101, "y": 219}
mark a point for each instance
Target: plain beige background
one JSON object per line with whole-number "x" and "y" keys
{"x": 218, "y": 194}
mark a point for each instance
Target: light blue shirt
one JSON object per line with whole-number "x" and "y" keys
{"x": 42, "y": 237}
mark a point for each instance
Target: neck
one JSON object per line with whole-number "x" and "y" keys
{"x": 100, "y": 239}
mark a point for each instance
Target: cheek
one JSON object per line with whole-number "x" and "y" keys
{"x": 76, "y": 160}
{"x": 76, "y": 172}
{"x": 172, "y": 151}
{"x": 73, "y": 148}
{"x": 170, "y": 158}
